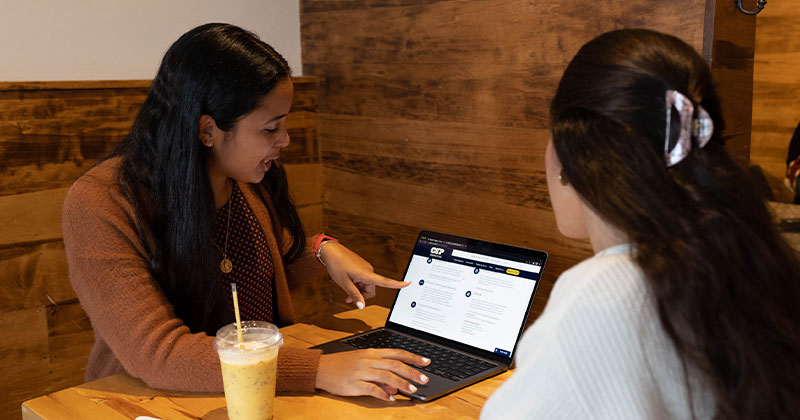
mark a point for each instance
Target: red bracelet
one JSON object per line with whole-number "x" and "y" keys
{"x": 318, "y": 241}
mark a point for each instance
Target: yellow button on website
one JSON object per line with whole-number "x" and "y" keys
{"x": 512, "y": 271}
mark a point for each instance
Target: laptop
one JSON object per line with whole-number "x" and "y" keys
{"x": 465, "y": 309}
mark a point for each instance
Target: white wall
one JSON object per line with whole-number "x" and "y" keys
{"x": 125, "y": 39}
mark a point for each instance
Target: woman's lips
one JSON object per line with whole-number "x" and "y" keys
{"x": 267, "y": 163}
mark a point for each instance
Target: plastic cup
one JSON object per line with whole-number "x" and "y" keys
{"x": 249, "y": 368}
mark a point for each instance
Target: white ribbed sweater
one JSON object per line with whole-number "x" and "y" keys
{"x": 598, "y": 351}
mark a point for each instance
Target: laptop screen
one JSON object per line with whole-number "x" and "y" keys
{"x": 474, "y": 292}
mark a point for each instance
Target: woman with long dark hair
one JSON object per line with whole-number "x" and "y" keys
{"x": 689, "y": 308}
{"x": 194, "y": 199}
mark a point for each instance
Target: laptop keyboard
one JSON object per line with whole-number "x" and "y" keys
{"x": 445, "y": 363}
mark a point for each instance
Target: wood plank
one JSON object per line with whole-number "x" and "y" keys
{"x": 435, "y": 141}
{"x": 305, "y": 183}
{"x": 730, "y": 39}
{"x": 768, "y": 150}
{"x": 442, "y": 154}
{"x": 438, "y": 61}
{"x": 35, "y": 177}
{"x": 330, "y": 5}
{"x": 52, "y": 132}
{"x": 75, "y": 84}
{"x": 776, "y": 91}
{"x": 313, "y": 301}
{"x": 493, "y": 31}
{"x": 447, "y": 210}
{"x": 36, "y": 216}
{"x": 69, "y": 331}
{"x": 48, "y": 142}
{"x": 300, "y": 82}
{"x": 777, "y": 69}
{"x": 305, "y": 82}
{"x": 312, "y": 218}
{"x": 305, "y": 95}
{"x": 34, "y": 276}
{"x": 60, "y": 376}
{"x": 475, "y": 93}
{"x": 31, "y": 217}
{"x": 24, "y": 350}
{"x": 70, "y": 107}
{"x": 303, "y": 147}
{"x": 777, "y": 31}
{"x": 32, "y": 367}
{"x": 301, "y": 119}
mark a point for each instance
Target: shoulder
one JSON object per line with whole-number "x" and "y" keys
{"x": 603, "y": 283}
{"x": 604, "y": 299}
{"x": 96, "y": 196}
{"x": 96, "y": 184}
{"x": 591, "y": 340}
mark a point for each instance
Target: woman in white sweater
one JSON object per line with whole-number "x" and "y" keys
{"x": 689, "y": 308}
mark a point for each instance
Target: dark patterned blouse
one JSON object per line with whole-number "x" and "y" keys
{"x": 253, "y": 270}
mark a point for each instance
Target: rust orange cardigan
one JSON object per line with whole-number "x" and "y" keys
{"x": 136, "y": 330}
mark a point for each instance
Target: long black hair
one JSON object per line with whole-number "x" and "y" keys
{"x": 219, "y": 70}
{"x": 725, "y": 283}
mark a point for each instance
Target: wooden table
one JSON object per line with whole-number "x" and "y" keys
{"x": 123, "y": 397}
{"x": 786, "y": 211}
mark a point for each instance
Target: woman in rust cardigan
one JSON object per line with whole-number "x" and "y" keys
{"x": 195, "y": 199}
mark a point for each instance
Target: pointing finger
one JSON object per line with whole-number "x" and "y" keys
{"x": 379, "y": 280}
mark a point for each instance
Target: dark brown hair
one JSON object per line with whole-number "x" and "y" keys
{"x": 724, "y": 281}
{"x": 223, "y": 71}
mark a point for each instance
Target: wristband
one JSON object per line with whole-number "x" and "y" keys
{"x": 321, "y": 240}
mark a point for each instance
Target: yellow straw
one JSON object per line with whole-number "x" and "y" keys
{"x": 236, "y": 309}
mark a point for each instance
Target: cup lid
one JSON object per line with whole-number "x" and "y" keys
{"x": 256, "y": 336}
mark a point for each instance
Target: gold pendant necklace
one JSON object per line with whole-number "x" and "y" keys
{"x": 226, "y": 266}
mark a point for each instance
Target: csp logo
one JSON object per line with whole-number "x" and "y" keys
{"x": 437, "y": 251}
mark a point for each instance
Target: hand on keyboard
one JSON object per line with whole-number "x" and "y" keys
{"x": 444, "y": 362}
{"x": 376, "y": 372}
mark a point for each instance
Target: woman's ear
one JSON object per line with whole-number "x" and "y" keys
{"x": 207, "y": 130}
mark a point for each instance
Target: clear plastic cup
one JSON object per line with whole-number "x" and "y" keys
{"x": 249, "y": 368}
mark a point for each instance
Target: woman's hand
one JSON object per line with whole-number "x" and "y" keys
{"x": 354, "y": 274}
{"x": 376, "y": 372}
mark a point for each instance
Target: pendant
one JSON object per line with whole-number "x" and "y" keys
{"x": 226, "y": 265}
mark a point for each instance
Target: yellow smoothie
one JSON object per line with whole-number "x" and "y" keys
{"x": 250, "y": 388}
{"x": 249, "y": 368}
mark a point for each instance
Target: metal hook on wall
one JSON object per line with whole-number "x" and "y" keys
{"x": 760, "y": 5}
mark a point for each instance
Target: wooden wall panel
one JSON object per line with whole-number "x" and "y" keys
{"x": 25, "y": 347}
{"x": 51, "y": 133}
{"x": 729, "y": 43}
{"x": 434, "y": 114}
{"x": 33, "y": 275}
{"x": 495, "y": 62}
{"x": 31, "y": 217}
{"x": 776, "y": 90}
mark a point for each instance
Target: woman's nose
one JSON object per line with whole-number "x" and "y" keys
{"x": 283, "y": 142}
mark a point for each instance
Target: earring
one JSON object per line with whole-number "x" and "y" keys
{"x": 210, "y": 144}
{"x": 562, "y": 177}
